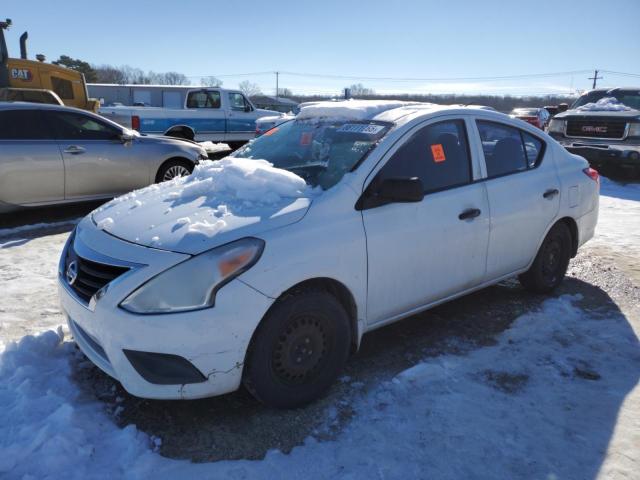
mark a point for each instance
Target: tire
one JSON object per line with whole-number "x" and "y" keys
{"x": 174, "y": 168}
{"x": 551, "y": 262}
{"x": 298, "y": 350}
{"x": 235, "y": 145}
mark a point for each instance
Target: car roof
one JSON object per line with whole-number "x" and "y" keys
{"x": 393, "y": 111}
{"x": 37, "y": 106}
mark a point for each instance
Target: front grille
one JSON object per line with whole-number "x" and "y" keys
{"x": 596, "y": 128}
{"x": 90, "y": 276}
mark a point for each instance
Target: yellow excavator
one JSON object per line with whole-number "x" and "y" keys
{"x": 37, "y": 81}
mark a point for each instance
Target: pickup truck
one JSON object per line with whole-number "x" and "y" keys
{"x": 200, "y": 114}
{"x": 603, "y": 126}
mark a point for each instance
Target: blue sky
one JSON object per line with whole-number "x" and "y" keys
{"x": 370, "y": 40}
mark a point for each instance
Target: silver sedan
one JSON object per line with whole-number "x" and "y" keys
{"x": 51, "y": 154}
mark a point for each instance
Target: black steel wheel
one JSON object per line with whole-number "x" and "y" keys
{"x": 551, "y": 262}
{"x": 298, "y": 350}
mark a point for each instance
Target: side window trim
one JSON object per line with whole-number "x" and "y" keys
{"x": 399, "y": 142}
{"x": 407, "y": 137}
{"x": 539, "y": 159}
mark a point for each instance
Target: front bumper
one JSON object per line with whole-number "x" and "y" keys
{"x": 213, "y": 341}
{"x": 603, "y": 154}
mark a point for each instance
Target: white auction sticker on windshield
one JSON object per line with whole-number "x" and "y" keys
{"x": 361, "y": 128}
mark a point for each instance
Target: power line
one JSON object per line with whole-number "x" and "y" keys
{"x": 435, "y": 79}
{"x": 624, "y": 74}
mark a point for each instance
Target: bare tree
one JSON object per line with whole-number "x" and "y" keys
{"x": 173, "y": 78}
{"x": 285, "y": 92}
{"x": 211, "y": 81}
{"x": 249, "y": 89}
{"x": 109, "y": 74}
{"x": 359, "y": 90}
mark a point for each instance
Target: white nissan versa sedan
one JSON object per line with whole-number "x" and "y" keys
{"x": 267, "y": 267}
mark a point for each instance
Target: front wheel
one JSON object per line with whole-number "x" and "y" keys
{"x": 173, "y": 169}
{"x": 299, "y": 350}
{"x": 551, "y": 262}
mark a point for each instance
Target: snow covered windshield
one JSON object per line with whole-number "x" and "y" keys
{"x": 320, "y": 151}
{"x": 615, "y": 100}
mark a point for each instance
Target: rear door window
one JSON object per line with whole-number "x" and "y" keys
{"x": 508, "y": 149}
{"x": 437, "y": 154}
{"x": 75, "y": 126}
{"x": 23, "y": 125}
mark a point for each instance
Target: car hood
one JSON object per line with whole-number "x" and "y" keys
{"x": 166, "y": 140}
{"x": 220, "y": 202}
{"x": 623, "y": 115}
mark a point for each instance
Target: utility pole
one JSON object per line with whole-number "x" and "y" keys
{"x": 595, "y": 78}
{"x": 277, "y": 87}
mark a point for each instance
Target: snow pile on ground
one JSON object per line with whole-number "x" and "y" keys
{"x": 553, "y": 383}
{"x": 349, "y": 109}
{"x": 606, "y": 104}
{"x": 618, "y": 230}
{"x": 211, "y": 147}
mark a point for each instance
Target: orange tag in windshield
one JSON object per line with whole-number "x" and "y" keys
{"x": 271, "y": 132}
{"x": 305, "y": 138}
{"x": 438, "y": 153}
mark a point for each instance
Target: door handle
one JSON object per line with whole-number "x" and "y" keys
{"x": 74, "y": 149}
{"x": 469, "y": 214}
{"x": 552, "y": 192}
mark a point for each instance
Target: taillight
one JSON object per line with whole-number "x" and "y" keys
{"x": 593, "y": 174}
{"x": 135, "y": 122}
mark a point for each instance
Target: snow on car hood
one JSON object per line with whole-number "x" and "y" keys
{"x": 606, "y": 104}
{"x": 219, "y": 202}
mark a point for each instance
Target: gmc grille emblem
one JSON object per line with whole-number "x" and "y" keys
{"x": 591, "y": 129}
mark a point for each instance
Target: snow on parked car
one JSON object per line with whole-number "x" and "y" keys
{"x": 264, "y": 254}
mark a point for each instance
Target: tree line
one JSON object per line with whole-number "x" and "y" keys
{"x": 131, "y": 75}
{"x": 126, "y": 74}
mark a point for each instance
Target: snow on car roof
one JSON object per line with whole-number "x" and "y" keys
{"x": 351, "y": 109}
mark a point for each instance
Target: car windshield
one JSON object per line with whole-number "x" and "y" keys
{"x": 630, "y": 98}
{"x": 320, "y": 151}
{"x": 525, "y": 111}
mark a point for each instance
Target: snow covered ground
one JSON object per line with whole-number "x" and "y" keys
{"x": 556, "y": 396}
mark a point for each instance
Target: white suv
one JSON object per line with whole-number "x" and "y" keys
{"x": 267, "y": 267}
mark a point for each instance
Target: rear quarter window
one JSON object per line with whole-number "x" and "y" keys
{"x": 508, "y": 149}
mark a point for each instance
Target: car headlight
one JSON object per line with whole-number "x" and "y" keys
{"x": 634, "y": 129}
{"x": 557, "y": 126}
{"x": 192, "y": 284}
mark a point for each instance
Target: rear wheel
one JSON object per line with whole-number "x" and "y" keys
{"x": 235, "y": 145}
{"x": 551, "y": 262}
{"x": 298, "y": 350}
{"x": 174, "y": 168}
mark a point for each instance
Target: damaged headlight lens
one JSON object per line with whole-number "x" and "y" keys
{"x": 192, "y": 284}
{"x": 557, "y": 126}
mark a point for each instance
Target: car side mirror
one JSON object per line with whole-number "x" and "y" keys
{"x": 392, "y": 190}
{"x": 247, "y": 108}
{"x": 125, "y": 137}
